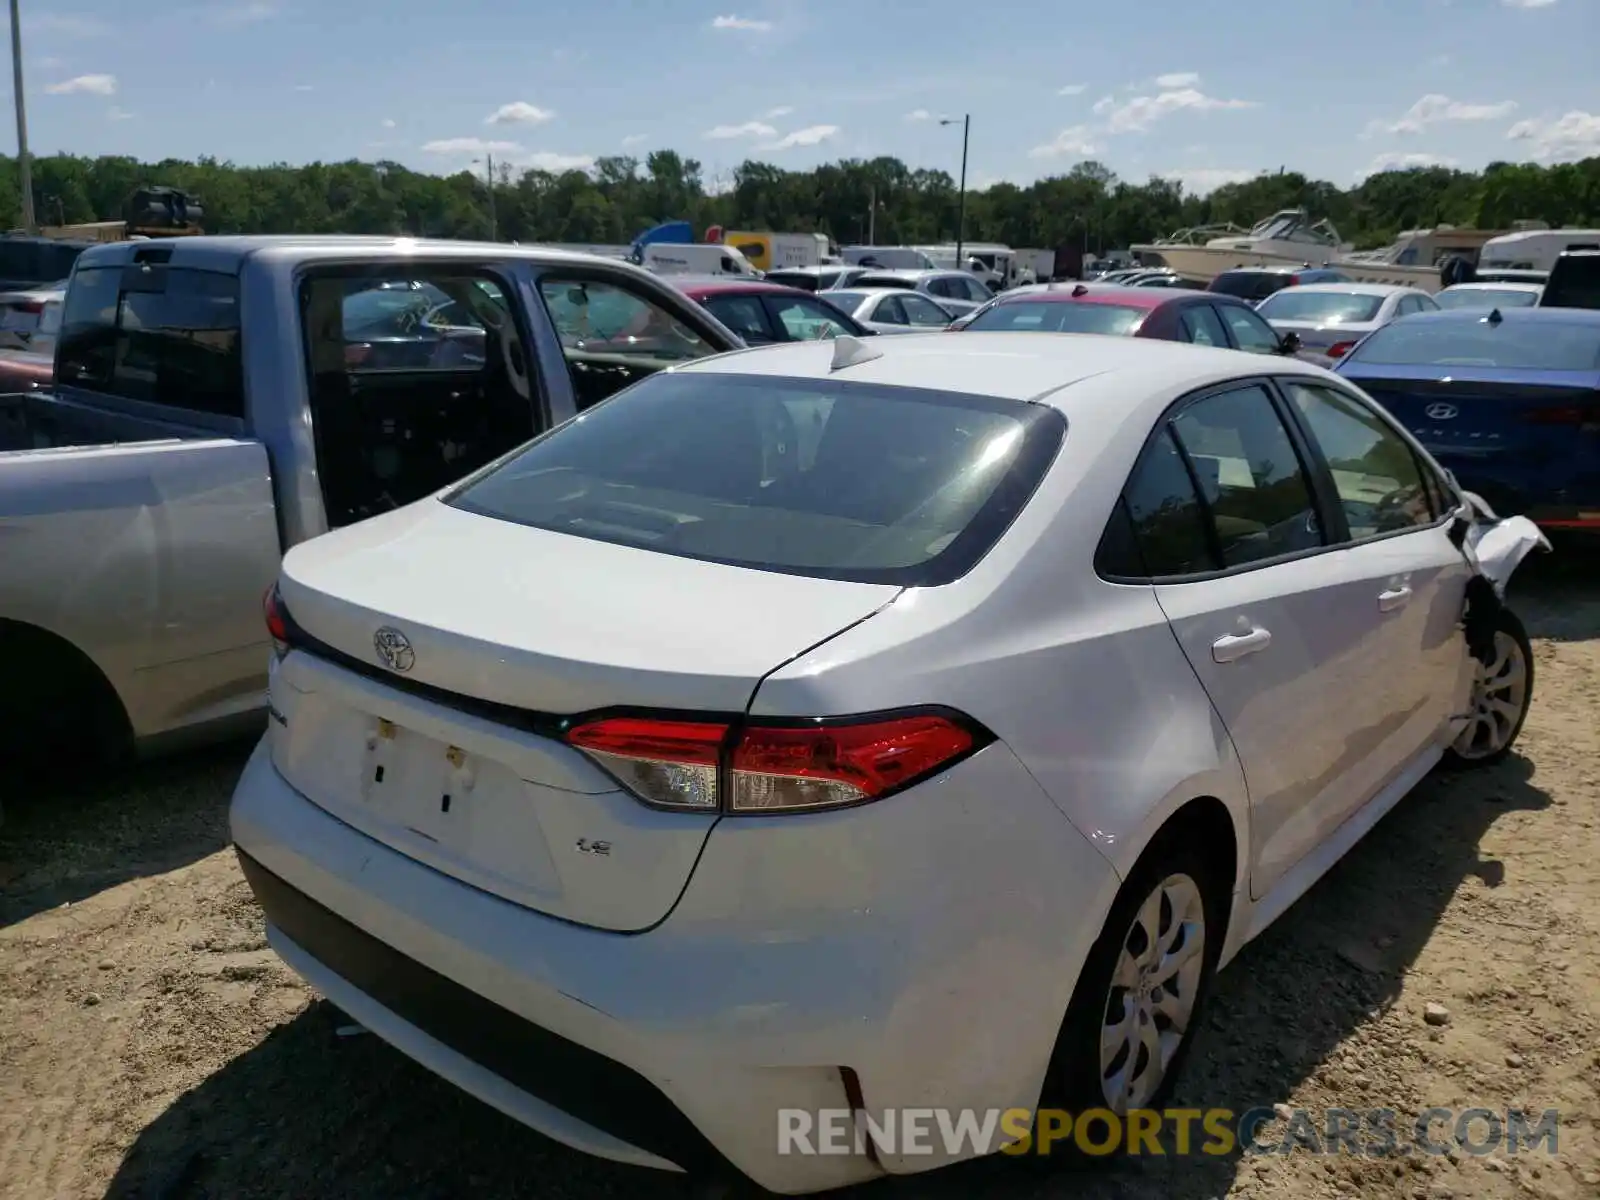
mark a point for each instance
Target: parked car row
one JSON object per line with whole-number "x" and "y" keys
{"x": 674, "y": 688}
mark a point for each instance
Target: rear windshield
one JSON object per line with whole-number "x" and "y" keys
{"x": 1249, "y": 285}
{"x": 835, "y": 480}
{"x": 1574, "y": 283}
{"x": 1521, "y": 345}
{"x": 1325, "y": 308}
{"x": 1476, "y": 297}
{"x": 846, "y": 301}
{"x": 1059, "y": 316}
{"x": 889, "y": 281}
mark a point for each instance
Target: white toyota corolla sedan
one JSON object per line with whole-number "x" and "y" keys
{"x": 908, "y": 723}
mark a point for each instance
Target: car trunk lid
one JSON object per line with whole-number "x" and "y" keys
{"x": 444, "y": 653}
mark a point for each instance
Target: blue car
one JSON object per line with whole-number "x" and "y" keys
{"x": 1508, "y": 399}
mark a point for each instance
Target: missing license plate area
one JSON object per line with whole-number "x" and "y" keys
{"x": 414, "y": 780}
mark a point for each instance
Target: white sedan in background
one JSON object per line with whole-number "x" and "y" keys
{"x": 853, "y": 725}
{"x": 890, "y": 310}
{"x": 1330, "y": 318}
{"x": 1490, "y": 295}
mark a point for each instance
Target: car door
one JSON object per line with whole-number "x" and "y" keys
{"x": 1414, "y": 577}
{"x": 1280, "y": 632}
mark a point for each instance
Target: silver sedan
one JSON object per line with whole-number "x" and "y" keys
{"x": 1330, "y": 318}
{"x": 890, "y": 310}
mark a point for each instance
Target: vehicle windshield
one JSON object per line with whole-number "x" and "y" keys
{"x": 886, "y": 281}
{"x": 847, "y": 481}
{"x": 1471, "y": 297}
{"x": 1518, "y": 345}
{"x": 1322, "y": 308}
{"x": 1059, "y": 316}
{"x": 1250, "y": 285}
{"x": 804, "y": 280}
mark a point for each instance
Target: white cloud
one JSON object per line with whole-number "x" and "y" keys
{"x": 1076, "y": 141}
{"x": 547, "y": 160}
{"x": 1394, "y": 160}
{"x": 633, "y": 139}
{"x": 1201, "y": 181}
{"x": 118, "y": 114}
{"x": 748, "y": 24}
{"x": 1434, "y": 108}
{"x": 518, "y": 112}
{"x": 243, "y": 14}
{"x": 919, "y": 114}
{"x": 1072, "y": 89}
{"x": 811, "y": 135}
{"x": 88, "y": 85}
{"x": 66, "y": 24}
{"x": 1572, "y": 136}
{"x": 388, "y": 122}
{"x": 1141, "y": 112}
{"x": 1178, "y": 79}
{"x": 1527, "y": 3}
{"x": 747, "y": 129}
{"x": 783, "y": 110}
{"x": 1104, "y": 105}
{"x": 469, "y": 145}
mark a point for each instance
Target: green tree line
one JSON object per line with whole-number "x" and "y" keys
{"x": 1089, "y": 206}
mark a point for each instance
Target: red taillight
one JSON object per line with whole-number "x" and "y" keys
{"x": 30, "y": 306}
{"x": 1339, "y": 349}
{"x": 774, "y": 768}
{"x": 1565, "y": 414}
{"x": 277, "y": 618}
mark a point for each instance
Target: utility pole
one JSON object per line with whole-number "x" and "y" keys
{"x": 961, "y": 203}
{"x": 494, "y": 224}
{"x": 872, "y": 215}
{"x": 24, "y": 163}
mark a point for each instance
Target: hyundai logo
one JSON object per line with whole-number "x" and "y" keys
{"x": 1442, "y": 412}
{"x": 394, "y": 649}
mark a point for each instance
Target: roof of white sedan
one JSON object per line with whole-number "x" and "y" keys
{"x": 1015, "y": 366}
{"x": 1508, "y": 286}
{"x": 1357, "y": 289}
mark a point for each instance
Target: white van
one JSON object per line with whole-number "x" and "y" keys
{"x": 888, "y": 258}
{"x": 665, "y": 258}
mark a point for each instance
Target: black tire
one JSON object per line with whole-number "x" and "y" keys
{"x": 1506, "y": 623}
{"x": 1074, "y": 1081}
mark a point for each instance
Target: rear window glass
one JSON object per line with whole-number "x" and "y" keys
{"x": 823, "y": 478}
{"x": 1522, "y": 345}
{"x": 1249, "y": 285}
{"x": 797, "y": 279}
{"x": 1059, "y": 316}
{"x": 1476, "y": 297}
{"x": 889, "y": 281}
{"x": 844, "y": 301}
{"x": 1325, "y": 308}
{"x": 1574, "y": 283}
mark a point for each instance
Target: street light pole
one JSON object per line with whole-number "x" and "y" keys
{"x": 961, "y": 202}
{"x": 24, "y": 163}
{"x": 488, "y": 173}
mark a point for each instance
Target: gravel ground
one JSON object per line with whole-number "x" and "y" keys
{"x": 150, "y": 1045}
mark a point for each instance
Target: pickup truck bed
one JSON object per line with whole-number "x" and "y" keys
{"x": 41, "y": 421}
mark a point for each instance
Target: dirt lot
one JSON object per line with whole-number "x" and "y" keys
{"x": 151, "y": 1046}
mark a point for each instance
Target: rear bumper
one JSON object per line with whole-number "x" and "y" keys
{"x": 797, "y": 949}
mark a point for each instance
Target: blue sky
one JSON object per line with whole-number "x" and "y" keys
{"x": 1206, "y": 93}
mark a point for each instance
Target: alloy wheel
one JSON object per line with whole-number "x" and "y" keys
{"x": 1499, "y": 695}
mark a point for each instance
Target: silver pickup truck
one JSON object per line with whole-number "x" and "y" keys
{"x": 218, "y": 400}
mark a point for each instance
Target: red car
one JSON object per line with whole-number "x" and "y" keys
{"x": 1203, "y": 318}
{"x": 764, "y": 313}
{"x": 22, "y": 371}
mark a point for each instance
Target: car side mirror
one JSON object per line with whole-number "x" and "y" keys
{"x": 1289, "y": 343}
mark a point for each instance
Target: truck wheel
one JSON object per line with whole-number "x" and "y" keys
{"x": 1502, "y": 692}
{"x": 58, "y": 714}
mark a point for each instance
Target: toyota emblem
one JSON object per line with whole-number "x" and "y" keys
{"x": 394, "y": 649}
{"x": 1442, "y": 412}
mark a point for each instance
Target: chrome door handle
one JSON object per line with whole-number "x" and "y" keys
{"x": 1237, "y": 645}
{"x": 1393, "y": 598}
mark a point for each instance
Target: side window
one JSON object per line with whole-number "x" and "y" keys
{"x": 1250, "y": 476}
{"x": 1377, "y": 477}
{"x": 1169, "y": 522}
{"x": 163, "y": 335}
{"x": 414, "y": 325}
{"x": 804, "y": 320}
{"x": 602, "y": 318}
{"x": 744, "y": 315}
{"x": 1203, "y": 327}
{"x": 892, "y": 310}
{"x": 940, "y": 287}
{"x": 921, "y": 311}
{"x": 1250, "y": 331}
